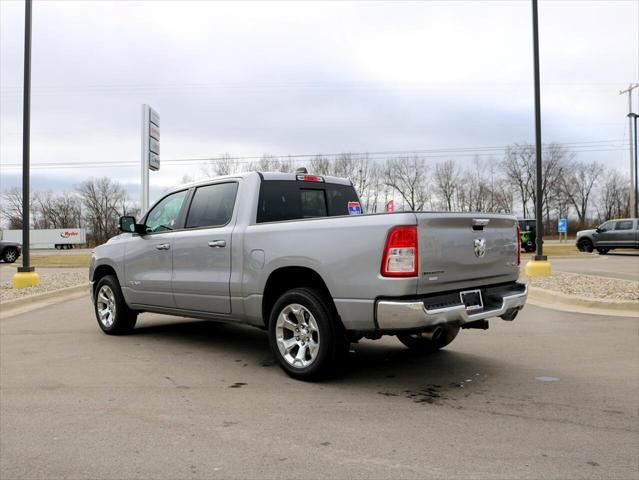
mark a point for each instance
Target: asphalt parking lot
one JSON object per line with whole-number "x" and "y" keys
{"x": 551, "y": 395}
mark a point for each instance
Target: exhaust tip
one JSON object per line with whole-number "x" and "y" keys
{"x": 510, "y": 314}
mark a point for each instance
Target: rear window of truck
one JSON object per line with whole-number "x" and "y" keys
{"x": 292, "y": 200}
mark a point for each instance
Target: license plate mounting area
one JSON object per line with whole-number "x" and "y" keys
{"x": 472, "y": 300}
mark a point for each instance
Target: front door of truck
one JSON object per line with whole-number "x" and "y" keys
{"x": 148, "y": 258}
{"x": 605, "y": 234}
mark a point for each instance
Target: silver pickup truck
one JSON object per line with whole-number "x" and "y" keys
{"x": 295, "y": 255}
{"x": 610, "y": 235}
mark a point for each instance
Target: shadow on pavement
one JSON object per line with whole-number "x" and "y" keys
{"x": 387, "y": 367}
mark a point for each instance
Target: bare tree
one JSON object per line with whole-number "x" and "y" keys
{"x": 358, "y": 168}
{"x": 104, "y": 201}
{"x": 613, "y": 196}
{"x": 362, "y": 172}
{"x": 554, "y": 162}
{"x": 57, "y": 210}
{"x": 408, "y": 176}
{"x": 519, "y": 170}
{"x": 446, "y": 182}
{"x": 224, "y": 165}
{"x": 578, "y": 185}
{"x": 270, "y": 163}
{"x": 518, "y": 166}
{"x": 321, "y": 165}
{"x": 11, "y": 208}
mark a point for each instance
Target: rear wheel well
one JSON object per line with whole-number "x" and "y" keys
{"x": 286, "y": 278}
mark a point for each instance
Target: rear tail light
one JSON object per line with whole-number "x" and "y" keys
{"x": 518, "y": 245}
{"x": 400, "y": 253}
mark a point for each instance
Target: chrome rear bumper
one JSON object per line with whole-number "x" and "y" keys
{"x": 412, "y": 314}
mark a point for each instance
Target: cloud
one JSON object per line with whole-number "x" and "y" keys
{"x": 307, "y": 77}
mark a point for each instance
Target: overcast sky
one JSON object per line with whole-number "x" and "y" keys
{"x": 302, "y": 77}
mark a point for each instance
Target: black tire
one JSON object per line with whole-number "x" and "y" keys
{"x": 10, "y": 255}
{"x": 429, "y": 341}
{"x": 585, "y": 245}
{"x": 603, "y": 251}
{"x": 529, "y": 248}
{"x": 123, "y": 318}
{"x": 331, "y": 338}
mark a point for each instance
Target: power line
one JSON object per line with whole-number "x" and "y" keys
{"x": 188, "y": 87}
{"x": 448, "y": 153}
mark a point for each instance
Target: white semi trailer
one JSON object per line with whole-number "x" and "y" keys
{"x": 60, "y": 238}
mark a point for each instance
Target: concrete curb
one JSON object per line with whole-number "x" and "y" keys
{"x": 571, "y": 303}
{"x": 32, "y": 302}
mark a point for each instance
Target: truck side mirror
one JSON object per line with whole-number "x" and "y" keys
{"x": 598, "y": 230}
{"x": 127, "y": 224}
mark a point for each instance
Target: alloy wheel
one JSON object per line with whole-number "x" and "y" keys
{"x": 297, "y": 335}
{"x": 106, "y": 306}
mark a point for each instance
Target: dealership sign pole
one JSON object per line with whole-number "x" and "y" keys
{"x": 26, "y": 275}
{"x": 150, "y": 151}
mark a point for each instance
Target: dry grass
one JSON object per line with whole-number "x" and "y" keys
{"x": 69, "y": 261}
{"x": 560, "y": 250}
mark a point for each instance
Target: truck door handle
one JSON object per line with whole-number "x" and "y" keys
{"x": 163, "y": 246}
{"x": 217, "y": 244}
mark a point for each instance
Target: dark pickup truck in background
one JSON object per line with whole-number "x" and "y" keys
{"x": 610, "y": 235}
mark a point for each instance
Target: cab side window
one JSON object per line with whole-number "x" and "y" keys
{"x": 606, "y": 227}
{"x": 212, "y": 205}
{"x": 624, "y": 225}
{"x": 164, "y": 216}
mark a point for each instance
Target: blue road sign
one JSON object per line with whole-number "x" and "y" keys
{"x": 563, "y": 225}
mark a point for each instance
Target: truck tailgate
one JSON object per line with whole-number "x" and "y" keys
{"x": 462, "y": 250}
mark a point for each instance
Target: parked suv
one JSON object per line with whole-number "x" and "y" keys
{"x": 10, "y": 251}
{"x": 610, "y": 235}
{"x": 295, "y": 255}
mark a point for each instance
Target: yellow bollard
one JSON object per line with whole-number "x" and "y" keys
{"x": 538, "y": 268}
{"x": 25, "y": 279}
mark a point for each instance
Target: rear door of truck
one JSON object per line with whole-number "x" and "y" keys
{"x": 459, "y": 250}
{"x": 202, "y": 250}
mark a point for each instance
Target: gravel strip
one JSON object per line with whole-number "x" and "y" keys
{"x": 49, "y": 280}
{"x": 587, "y": 286}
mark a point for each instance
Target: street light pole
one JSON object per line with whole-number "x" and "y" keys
{"x": 635, "y": 192}
{"x": 26, "y": 275}
{"x": 540, "y": 266}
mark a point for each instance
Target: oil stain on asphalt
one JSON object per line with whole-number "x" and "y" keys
{"x": 237, "y": 385}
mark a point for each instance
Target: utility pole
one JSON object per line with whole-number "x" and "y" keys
{"x": 633, "y": 174}
{"x": 539, "y": 266}
{"x": 26, "y": 275}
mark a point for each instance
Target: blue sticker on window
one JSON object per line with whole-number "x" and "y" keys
{"x": 354, "y": 208}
